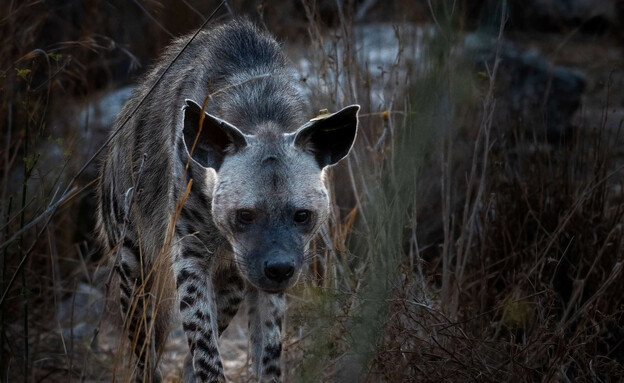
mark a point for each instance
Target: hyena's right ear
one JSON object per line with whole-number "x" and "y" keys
{"x": 215, "y": 139}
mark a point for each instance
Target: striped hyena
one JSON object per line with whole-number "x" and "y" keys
{"x": 229, "y": 221}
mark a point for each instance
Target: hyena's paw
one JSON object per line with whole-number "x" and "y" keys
{"x": 154, "y": 377}
{"x": 189, "y": 372}
{"x": 157, "y": 376}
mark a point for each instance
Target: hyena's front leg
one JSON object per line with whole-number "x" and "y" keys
{"x": 229, "y": 294}
{"x": 199, "y": 321}
{"x": 136, "y": 307}
{"x": 265, "y": 324}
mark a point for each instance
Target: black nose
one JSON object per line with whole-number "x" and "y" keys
{"x": 278, "y": 271}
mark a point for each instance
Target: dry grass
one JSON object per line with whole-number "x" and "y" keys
{"x": 460, "y": 249}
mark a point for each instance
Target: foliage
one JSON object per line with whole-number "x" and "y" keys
{"x": 460, "y": 249}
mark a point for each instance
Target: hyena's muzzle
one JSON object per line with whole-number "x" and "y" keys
{"x": 270, "y": 256}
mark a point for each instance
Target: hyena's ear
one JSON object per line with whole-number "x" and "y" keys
{"x": 216, "y": 139}
{"x": 330, "y": 138}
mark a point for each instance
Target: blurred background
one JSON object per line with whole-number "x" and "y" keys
{"x": 477, "y": 225}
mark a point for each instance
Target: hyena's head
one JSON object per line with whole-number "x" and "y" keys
{"x": 269, "y": 199}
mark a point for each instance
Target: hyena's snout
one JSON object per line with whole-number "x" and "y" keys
{"x": 279, "y": 270}
{"x": 274, "y": 271}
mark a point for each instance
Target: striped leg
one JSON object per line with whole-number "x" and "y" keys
{"x": 230, "y": 291}
{"x": 189, "y": 373}
{"x": 199, "y": 321}
{"x": 265, "y": 324}
{"x": 136, "y": 309}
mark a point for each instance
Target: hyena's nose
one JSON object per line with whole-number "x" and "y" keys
{"x": 278, "y": 271}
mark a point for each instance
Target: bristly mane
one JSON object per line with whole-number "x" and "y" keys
{"x": 251, "y": 73}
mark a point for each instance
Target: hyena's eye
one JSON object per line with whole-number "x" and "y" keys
{"x": 302, "y": 216}
{"x": 245, "y": 216}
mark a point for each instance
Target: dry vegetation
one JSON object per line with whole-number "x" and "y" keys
{"x": 463, "y": 247}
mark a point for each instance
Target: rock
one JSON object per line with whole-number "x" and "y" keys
{"x": 88, "y": 124}
{"x": 80, "y": 312}
{"x": 531, "y": 93}
{"x": 560, "y": 15}
{"x": 384, "y": 53}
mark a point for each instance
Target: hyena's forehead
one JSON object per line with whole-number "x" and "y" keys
{"x": 282, "y": 175}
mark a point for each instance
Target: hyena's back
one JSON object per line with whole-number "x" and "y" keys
{"x": 245, "y": 71}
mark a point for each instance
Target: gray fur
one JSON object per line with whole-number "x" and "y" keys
{"x": 251, "y": 155}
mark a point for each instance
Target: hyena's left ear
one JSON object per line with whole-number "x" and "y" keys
{"x": 216, "y": 139}
{"x": 330, "y": 138}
